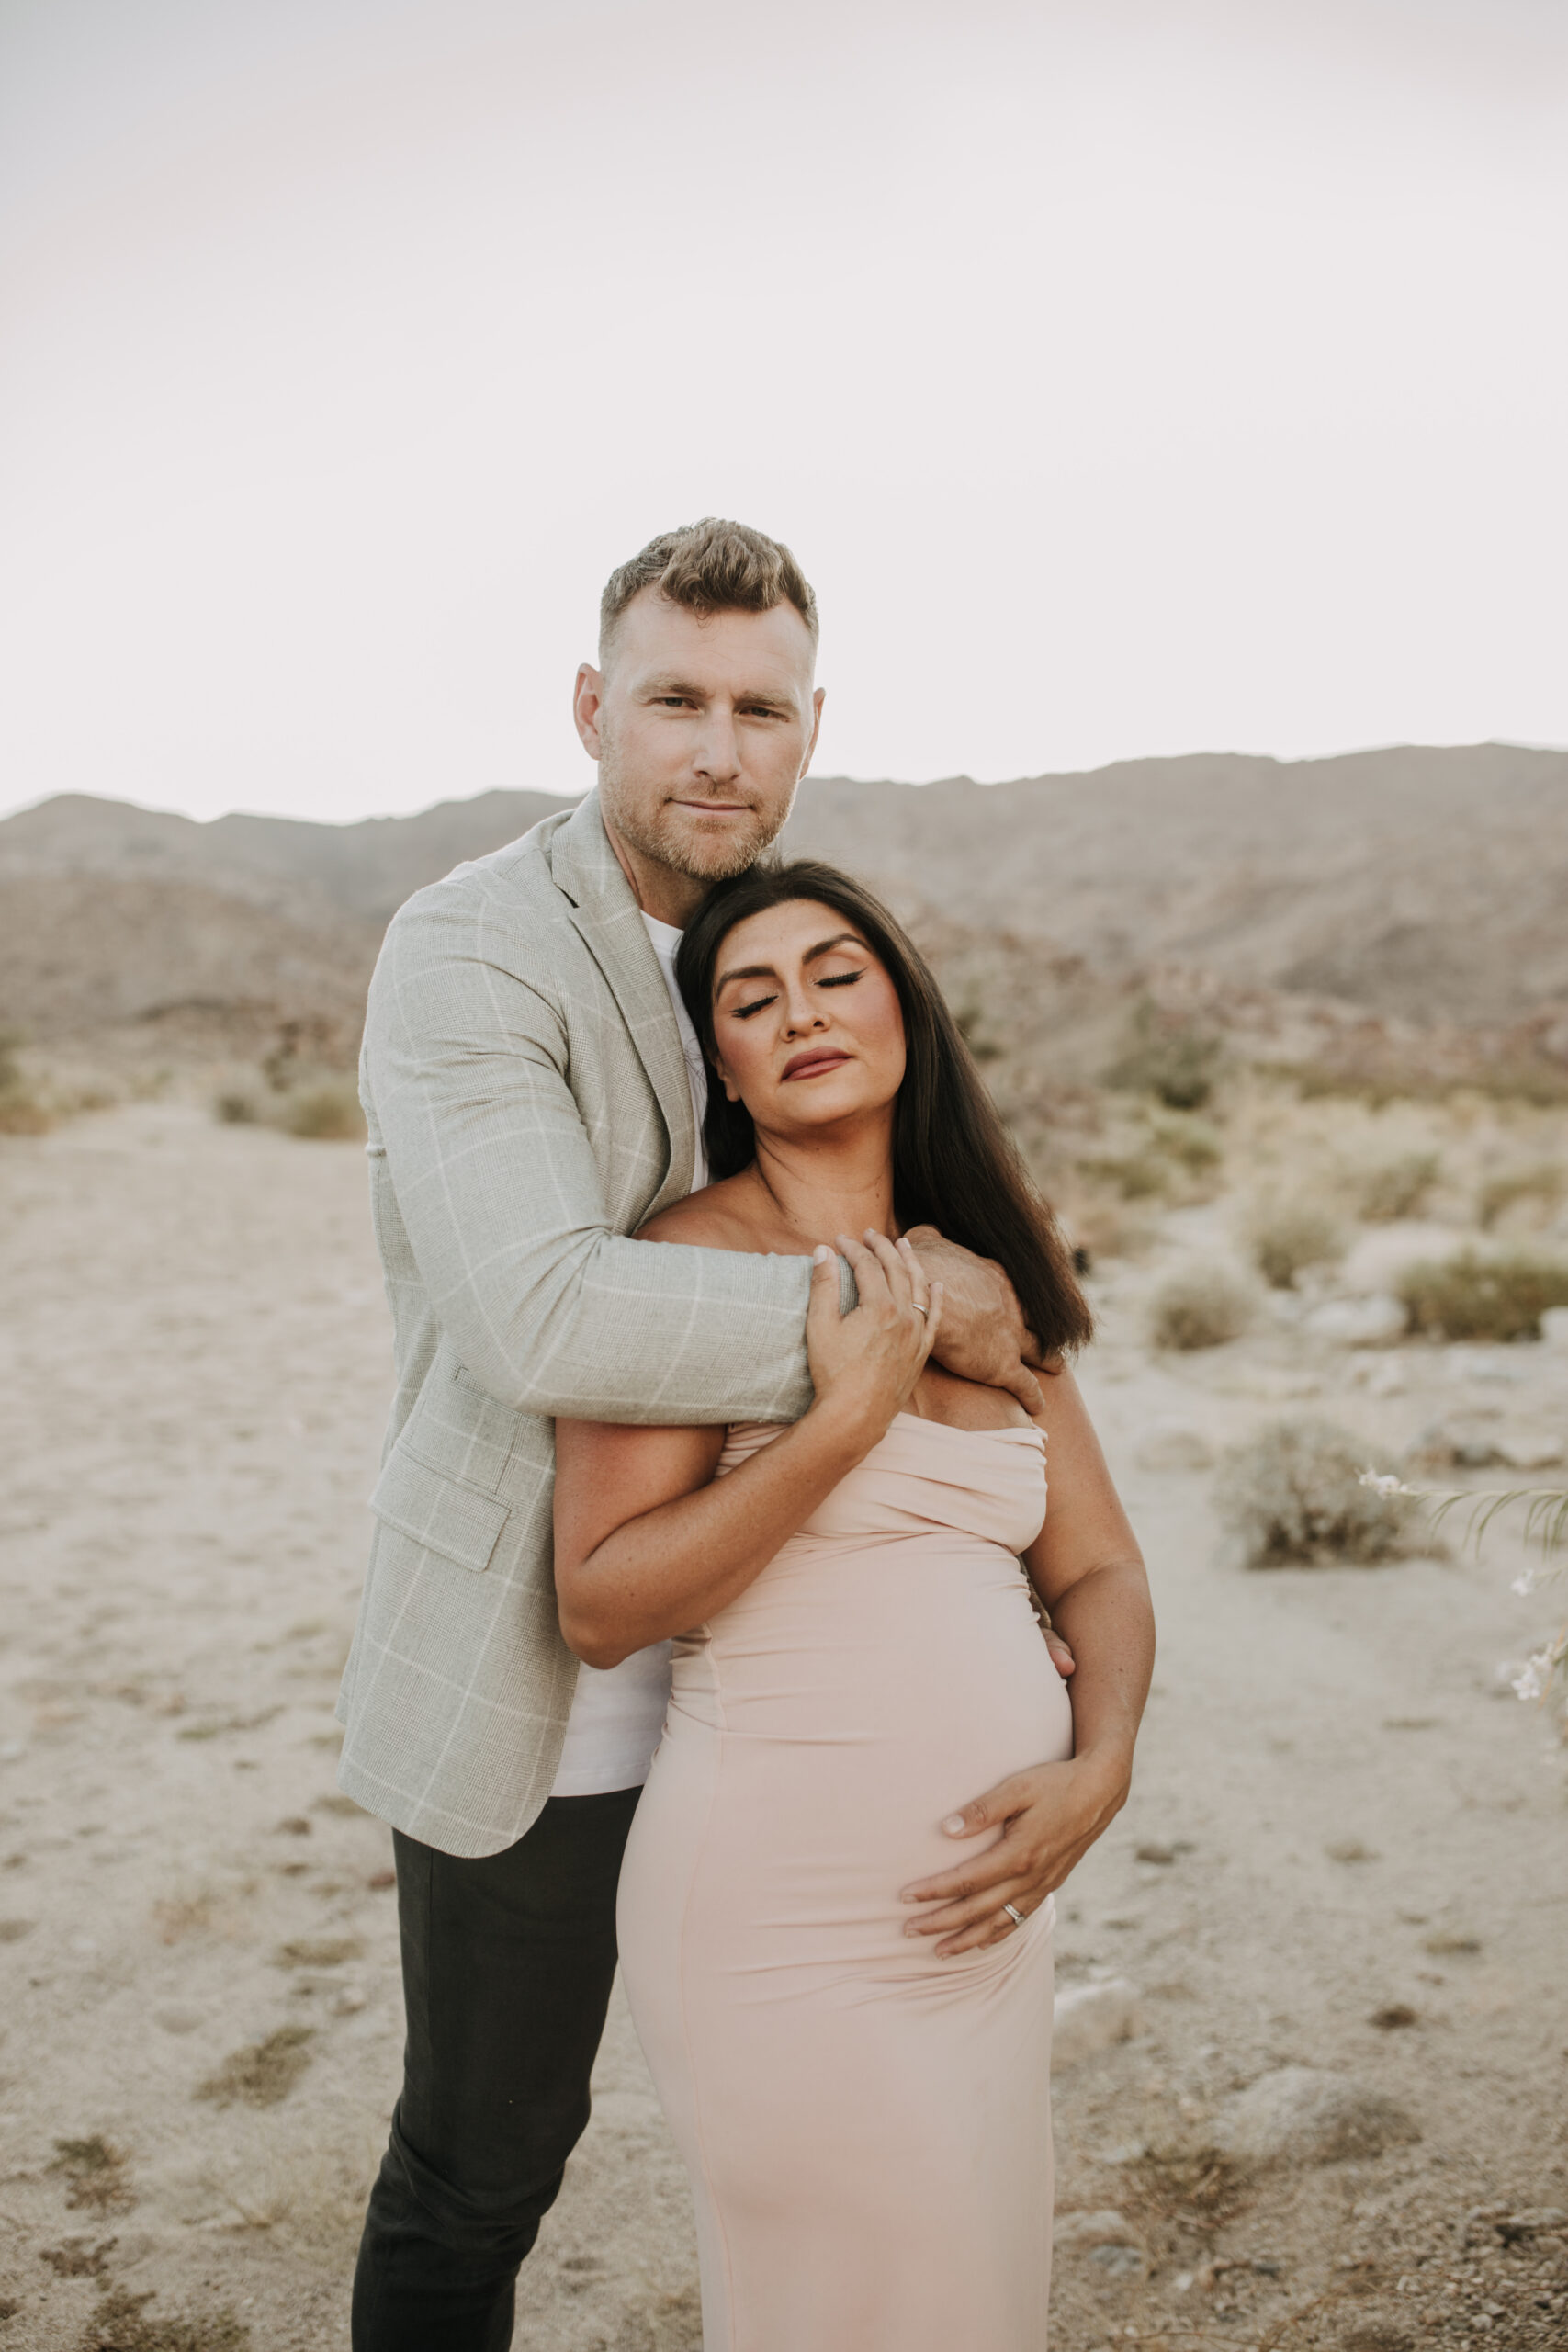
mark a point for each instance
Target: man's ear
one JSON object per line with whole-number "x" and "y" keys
{"x": 587, "y": 701}
{"x": 817, "y": 699}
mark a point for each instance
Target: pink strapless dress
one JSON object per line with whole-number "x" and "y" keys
{"x": 867, "y": 2127}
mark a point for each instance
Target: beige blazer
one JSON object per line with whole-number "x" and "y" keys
{"x": 528, "y": 1108}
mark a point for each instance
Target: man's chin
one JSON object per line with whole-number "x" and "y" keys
{"x": 712, "y": 849}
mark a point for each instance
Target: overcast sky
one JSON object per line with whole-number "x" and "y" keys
{"x": 1130, "y": 376}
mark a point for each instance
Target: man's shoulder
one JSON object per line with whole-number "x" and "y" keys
{"x": 511, "y": 893}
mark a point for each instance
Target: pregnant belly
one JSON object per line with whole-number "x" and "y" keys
{"x": 824, "y": 1725}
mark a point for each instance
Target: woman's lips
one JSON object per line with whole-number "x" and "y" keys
{"x": 813, "y": 1064}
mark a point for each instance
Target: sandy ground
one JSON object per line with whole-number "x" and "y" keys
{"x": 200, "y": 2012}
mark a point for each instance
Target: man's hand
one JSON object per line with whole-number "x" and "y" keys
{"x": 984, "y": 1336}
{"x": 1049, "y": 1817}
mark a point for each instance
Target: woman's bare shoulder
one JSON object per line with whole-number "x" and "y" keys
{"x": 714, "y": 1219}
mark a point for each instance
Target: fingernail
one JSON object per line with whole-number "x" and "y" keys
{"x": 820, "y": 1255}
{"x": 953, "y": 1824}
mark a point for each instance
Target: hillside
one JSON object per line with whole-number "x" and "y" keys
{"x": 1422, "y": 886}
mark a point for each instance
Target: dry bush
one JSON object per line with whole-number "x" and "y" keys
{"x": 96, "y": 2172}
{"x": 1544, "y": 1185}
{"x": 1285, "y": 1236}
{"x": 1200, "y": 1307}
{"x": 1471, "y": 1297}
{"x": 23, "y": 1111}
{"x": 328, "y": 1112}
{"x": 1294, "y": 1493}
{"x": 1133, "y": 1175}
{"x": 1383, "y": 1190}
{"x": 1168, "y": 1057}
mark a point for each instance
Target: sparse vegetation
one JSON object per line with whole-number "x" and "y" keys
{"x": 328, "y": 1112}
{"x": 1200, "y": 1307}
{"x": 1295, "y": 1493}
{"x": 261, "y": 2073}
{"x": 1383, "y": 1190}
{"x": 120, "y": 2324}
{"x": 1471, "y": 1297}
{"x": 96, "y": 2172}
{"x": 1286, "y": 1236}
{"x": 1168, "y": 1055}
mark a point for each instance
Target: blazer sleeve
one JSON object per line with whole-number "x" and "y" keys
{"x": 499, "y": 1191}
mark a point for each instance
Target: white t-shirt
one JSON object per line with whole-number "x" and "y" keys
{"x": 617, "y": 1711}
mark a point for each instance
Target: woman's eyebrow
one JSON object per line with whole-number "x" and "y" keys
{"x": 767, "y": 971}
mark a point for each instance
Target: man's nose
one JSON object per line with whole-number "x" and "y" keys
{"x": 718, "y": 749}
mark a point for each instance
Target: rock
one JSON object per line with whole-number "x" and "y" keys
{"x": 1173, "y": 1445}
{"x": 1089, "y": 2017}
{"x": 1358, "y": 1322}
{"x": 1304, "y": 2115}
{"x": 1554, "y": 1326}
{"x": 1108, "y": 2228}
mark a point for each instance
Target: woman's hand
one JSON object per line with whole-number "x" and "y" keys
{"x": 864, "y": 1364}
{"x": 1049, "y": 1817}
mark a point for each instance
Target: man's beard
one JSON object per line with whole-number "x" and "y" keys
{"x": 676, "y": 838}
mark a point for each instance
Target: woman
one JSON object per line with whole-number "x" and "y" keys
{"x": 861, "y": 2090}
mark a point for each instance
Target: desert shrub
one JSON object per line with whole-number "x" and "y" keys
{"x": 234, "y": 1108}
{"x": 1169, "y": 1057}
{"x": 1135, "y": 1176}
{"x": 326, "y": 1113}
{"x": 1192, "y": 1143}
{"x": 1287, "y": 1235}
{"x": 1471, "y": 1297}
{"x": 1200, "y": 1307}
{"x": 23, "y": 1112}
{"x": 1294, "y": 1492}
{"x": 1386, "y": 1189}
{"x": 1545, "y": 1182}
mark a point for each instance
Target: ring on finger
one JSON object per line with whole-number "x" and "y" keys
{"x": 1014, "y": 1914}
{"x": 918, "y": 1308}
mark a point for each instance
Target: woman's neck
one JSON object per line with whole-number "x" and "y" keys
{"x": 830, "y": 1183}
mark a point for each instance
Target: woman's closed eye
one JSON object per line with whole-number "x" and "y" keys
{"x": 829, "y": 980}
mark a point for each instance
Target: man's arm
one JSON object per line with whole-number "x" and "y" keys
{"x": 500, "y": 1194}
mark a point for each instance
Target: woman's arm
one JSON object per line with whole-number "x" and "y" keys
{"x": 1087, "y": 1568}
{"x": 648, "y": 1542}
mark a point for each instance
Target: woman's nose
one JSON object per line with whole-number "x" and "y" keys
{"x": 801, "y": 1013}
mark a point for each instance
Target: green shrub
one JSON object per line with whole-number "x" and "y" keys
{"x": 1137, "y": 1176}
{"x": 23, "y": 1111}
{"x": 1202, "y": 1306}
{"x": 1386, "y": 1189}
{"x": 1192, "y": 1143}
{"x": 1294, "y": 1493}
{"x": 328, "y": 1113}
{"x": 1471, "y": 1297}
{"x": 1168, "y": 1056}
{"x": 1285, "y": 1236}
{"x": 1545, "y": 1182}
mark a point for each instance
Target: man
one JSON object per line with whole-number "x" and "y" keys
{"x": 533, "y": 1094}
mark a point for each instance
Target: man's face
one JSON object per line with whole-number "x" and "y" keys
{"x": 701, "y": 728}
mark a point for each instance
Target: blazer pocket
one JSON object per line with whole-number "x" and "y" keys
{"x": 434, "y": 1512}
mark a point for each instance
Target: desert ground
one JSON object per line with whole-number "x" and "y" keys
{"x": 1347, "y": 1849}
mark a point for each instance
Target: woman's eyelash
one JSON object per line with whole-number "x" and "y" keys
{"x": 831, "y": 981}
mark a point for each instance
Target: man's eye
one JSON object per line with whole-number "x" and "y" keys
{"x": 744, "y": 1011}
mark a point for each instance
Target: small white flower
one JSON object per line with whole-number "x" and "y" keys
{"x": 1524, "y": 1583}
{"x": 1529, "y": 1683}
{"x": 1384, "y": 1482}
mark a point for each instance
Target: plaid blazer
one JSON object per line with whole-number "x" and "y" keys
{"x": 528, "y": 1107}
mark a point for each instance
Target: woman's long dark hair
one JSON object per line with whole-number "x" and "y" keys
{"x": 955, "y": 1165}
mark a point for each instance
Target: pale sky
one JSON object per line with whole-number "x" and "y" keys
{"x": 1130, "y": 376}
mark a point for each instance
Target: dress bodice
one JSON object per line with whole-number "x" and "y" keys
{"x": 924, "y": 1477}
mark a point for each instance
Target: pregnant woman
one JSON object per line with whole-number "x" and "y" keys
{"x": 852, "y": 2049}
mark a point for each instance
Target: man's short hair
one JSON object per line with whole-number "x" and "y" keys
{"x": 713, "y": 566}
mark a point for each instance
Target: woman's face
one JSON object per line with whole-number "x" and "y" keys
{"x": 807, "y": 1021}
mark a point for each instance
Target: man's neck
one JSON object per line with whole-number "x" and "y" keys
{"x": 659, "y": 890}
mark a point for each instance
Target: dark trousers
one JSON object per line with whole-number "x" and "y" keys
{"x": 507, "y": 1967}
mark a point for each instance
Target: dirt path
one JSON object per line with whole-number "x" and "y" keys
{"x": 197, "y": 1968}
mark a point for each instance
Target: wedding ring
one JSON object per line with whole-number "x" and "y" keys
{"x": 1014, "y": 1914}
{"x": 917, "y": 1307}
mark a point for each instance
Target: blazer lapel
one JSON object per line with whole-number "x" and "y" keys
{"x": 607, "y": 916}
